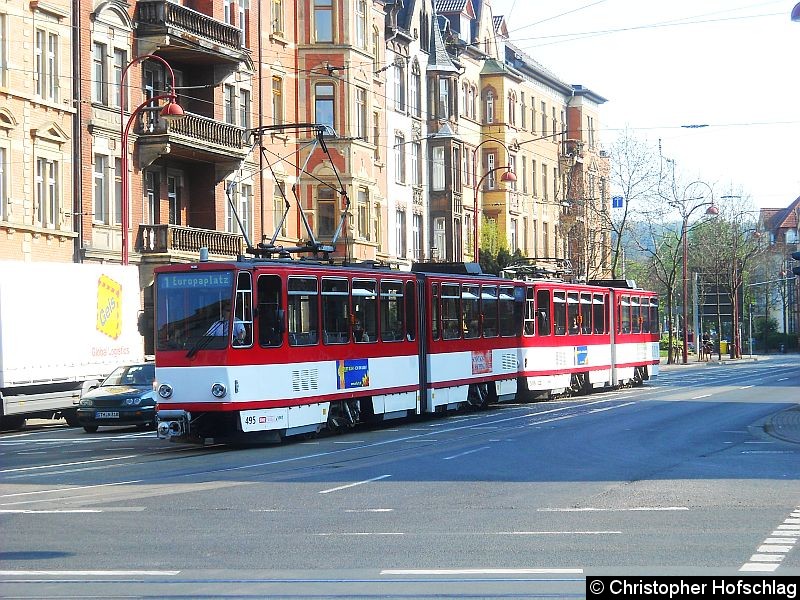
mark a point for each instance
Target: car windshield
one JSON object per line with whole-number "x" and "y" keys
{"x": 132, "y": 375}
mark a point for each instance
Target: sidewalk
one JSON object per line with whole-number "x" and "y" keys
{"x": 784, "y": 425}
{"x": 713, "y": 361}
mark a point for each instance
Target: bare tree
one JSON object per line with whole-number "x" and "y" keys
{"x": 728, "y": 249}
{"x": 635, "y": 175}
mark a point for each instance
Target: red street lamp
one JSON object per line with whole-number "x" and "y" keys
{"x": 508, "y": 176}
{"x": 172, "y": 110}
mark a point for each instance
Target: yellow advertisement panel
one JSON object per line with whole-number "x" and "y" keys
{"x": 109, "y": 307}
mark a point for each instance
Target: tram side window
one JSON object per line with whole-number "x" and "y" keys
{"x": 392, "y": 311}
{"x": 365, "y": 310}
{"x": 270, "y": 313}
{"x": 530, "y": 313}
{"x": 636, "y": 315}
{"x": 599, "y": 313}
{"x": 303, "y": 311}
{"x": 573, "y": 313}
{"x": 508, "y": 312}
{"x": 655, "y": 323}
{"x": 645, "y": 315}
{"x": 411, "y": 311}
{"x": 435, "y": 311}
{"x": 560, "y": 312}
{"x": 489, "y": 310}
{"x": 625, "y": 314}
{"x": 586, "y": 313}
{"x": 543, "y": 312}
{"x": 335, "y": 318}
{"x": 471, "y": 311}
{"x": 243, "y": 312}
{"x": 451, "y": 315}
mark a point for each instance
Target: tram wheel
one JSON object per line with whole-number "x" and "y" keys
{"x": 90, "y": 428}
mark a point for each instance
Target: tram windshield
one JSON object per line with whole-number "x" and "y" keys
{"x": 193, "y": 310}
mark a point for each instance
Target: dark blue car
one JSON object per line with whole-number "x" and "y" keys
{"x": 126, "y": 397}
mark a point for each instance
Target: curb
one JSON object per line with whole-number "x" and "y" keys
{"x": 785, "y": 425}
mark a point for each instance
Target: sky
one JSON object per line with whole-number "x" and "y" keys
{"x": 731, "y": 65}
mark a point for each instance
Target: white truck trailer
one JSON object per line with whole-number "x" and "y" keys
{"x": 63, "y": 328}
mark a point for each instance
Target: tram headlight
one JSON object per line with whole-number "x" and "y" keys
{"x": 218, "y": 390}
{"x": 165, "y": 390}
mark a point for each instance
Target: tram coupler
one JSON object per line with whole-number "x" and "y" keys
{"x": 173, "y": 425}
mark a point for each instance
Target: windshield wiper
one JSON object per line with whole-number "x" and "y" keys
{"x": 201, "y": 343}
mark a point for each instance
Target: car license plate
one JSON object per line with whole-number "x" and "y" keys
{"x": 106, "y": 415}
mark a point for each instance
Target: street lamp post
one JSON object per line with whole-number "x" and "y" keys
{"x": 508, "y": 176}
{"x": 170, "y": 111}
{"x": 711, "y": 210}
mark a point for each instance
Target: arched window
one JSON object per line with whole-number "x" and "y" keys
{"x": 489, "y": 109}
{"x": 324, "y": 105}
{"x": 376, "y": 49}
{"x": 473, "y": 93}
{"x": 415, "y": 96}
{"x": 361, "y": 23}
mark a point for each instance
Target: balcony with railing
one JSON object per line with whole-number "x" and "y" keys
{"x": 192, "y": 36}
{"x": 194, "y": 136}
{"x": 184, "y": 243}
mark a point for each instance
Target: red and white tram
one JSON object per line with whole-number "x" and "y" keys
{"x": 269, "y": 348}
{"x": 580, "y": 337}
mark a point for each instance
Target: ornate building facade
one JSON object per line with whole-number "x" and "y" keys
{"x": 427, "y": 107}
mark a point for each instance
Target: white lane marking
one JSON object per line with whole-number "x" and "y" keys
{"x": 29, "y": 511}
{"x": 349, "y": 485}
{"x": 699, "y": 397}
{"x": 70, "y": 489}
{"x": 632, "y": 509}
{"x": 86, "y": 573}
{"x": 355, "y": 533}
{"x": 771, "y": 558}
{"x": 758, "y": 567}
{"x": 782, "y": 379}
{"x": 32, "y": 452}
{"x": 481, "y": 571}
{"x": 72, "y": 464}
{"x": 558, "y": 533}
{"x": 14, "y": 440}
{"x": 465, "y": 453}
{"x": 368, "y": 510}
{"x": 746, "y": 387}
{"x": 350, "y": 442}
{"x": 597, "y": 410}
{"x": 773, "y": 550}
{"x": 767, "y": 452}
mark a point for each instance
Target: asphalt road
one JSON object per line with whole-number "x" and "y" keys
{"x": 526, "y": 500}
